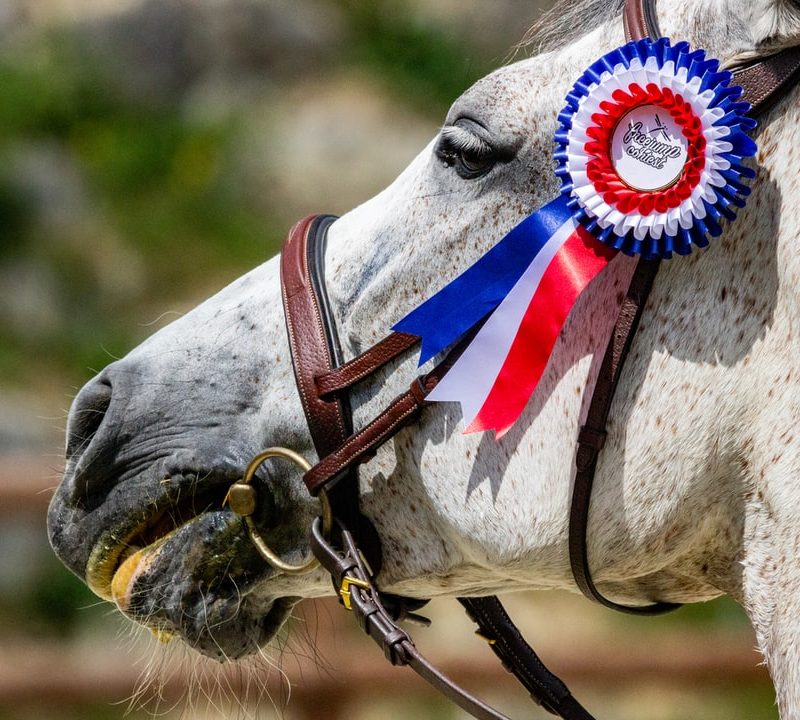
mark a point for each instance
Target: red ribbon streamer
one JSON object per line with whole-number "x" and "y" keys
{"x": 578, "y": 261}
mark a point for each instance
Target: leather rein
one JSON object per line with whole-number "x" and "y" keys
{"x": 342, "y": 539}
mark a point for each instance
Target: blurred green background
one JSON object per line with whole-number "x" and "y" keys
{"x": 150, "y": 152}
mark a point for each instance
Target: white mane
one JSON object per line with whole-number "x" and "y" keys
{"x": 566, "y": 21}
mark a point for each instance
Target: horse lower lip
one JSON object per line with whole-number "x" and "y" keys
{"x": 103, "y": 562}
{"x": 111, "y": 568}
{"x": 123, "y": 578}
{"x": 133, "y": 561}
{"x": 115, "y": 547}
{"x": 195, "y": 584}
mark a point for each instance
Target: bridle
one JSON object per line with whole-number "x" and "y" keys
{"x": 342, "y": 539}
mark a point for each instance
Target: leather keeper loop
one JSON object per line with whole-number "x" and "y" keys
{"x": 419, "y": 392}
{"x": 595, "y": 439}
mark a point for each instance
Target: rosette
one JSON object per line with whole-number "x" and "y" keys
{"x": 651, "y": 150}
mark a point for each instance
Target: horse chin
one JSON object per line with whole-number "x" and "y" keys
{"x": 194, "y": 583}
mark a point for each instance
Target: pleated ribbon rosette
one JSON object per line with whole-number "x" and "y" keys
{"x": 650, "y": 150}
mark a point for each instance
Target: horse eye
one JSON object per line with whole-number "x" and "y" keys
{"x": 474, "y": 165}
{"x": 469, "y": 155}
{"x": 467, "y": 165}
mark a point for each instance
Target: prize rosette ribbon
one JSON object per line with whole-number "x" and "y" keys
{"x": 650, "y": 150}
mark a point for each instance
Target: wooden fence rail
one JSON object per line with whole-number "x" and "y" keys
{"x": 59, "y": 672}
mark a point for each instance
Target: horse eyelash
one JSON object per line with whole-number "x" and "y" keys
{"x": 461, "y": 140}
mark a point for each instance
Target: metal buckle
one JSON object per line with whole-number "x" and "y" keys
{"x": 243, "y": 500}
{"x": 345, "y": 593}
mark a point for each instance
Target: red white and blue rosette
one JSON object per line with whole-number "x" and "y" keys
{"x": 651, "y": 148}
{"x": 651, "y": 151}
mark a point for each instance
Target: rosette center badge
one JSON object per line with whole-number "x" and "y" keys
{"x": 648, "y": 149}
{"x": 651, "y": 148}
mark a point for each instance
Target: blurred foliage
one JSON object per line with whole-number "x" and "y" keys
{"x": 719, "y": 615}
{"x": 156, "y": 184}
{"x": 429, "y": 66}
{"x": 53, "y": 603}
{"x": 723, "y": 613}
{"x": 159, "y": 184}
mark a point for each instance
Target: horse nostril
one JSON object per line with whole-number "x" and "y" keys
{"x": 87, "y": 413}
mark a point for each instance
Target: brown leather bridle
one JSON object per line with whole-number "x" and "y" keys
{"x": 342, "y": 539}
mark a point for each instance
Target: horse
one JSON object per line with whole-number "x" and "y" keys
{"x": 693, "y": 496}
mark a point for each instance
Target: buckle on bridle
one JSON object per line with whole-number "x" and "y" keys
{"x": 345, "y": 592}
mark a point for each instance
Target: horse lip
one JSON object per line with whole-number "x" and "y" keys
{"x": 195, "y": 584}
{"x": 164, "y": 516}
{"x": 109, "y": 555}
{"x": 129, "y": 568}
{"x": 142, "y": 552}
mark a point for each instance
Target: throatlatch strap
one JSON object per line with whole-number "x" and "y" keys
{"x": 639, "y": 18}
{"x": 592, "y": 437}
{"x": 763, "y": 83}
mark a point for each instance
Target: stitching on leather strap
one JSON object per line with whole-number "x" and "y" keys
{"x": 351, "y": 373}
{"x": 359, "y": 444}
{"x": 766, "y": 77}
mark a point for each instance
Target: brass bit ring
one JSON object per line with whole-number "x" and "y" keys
{"x": 243, "y": 500}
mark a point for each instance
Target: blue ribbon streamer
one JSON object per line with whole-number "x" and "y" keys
{"x": 459, "y": 305}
